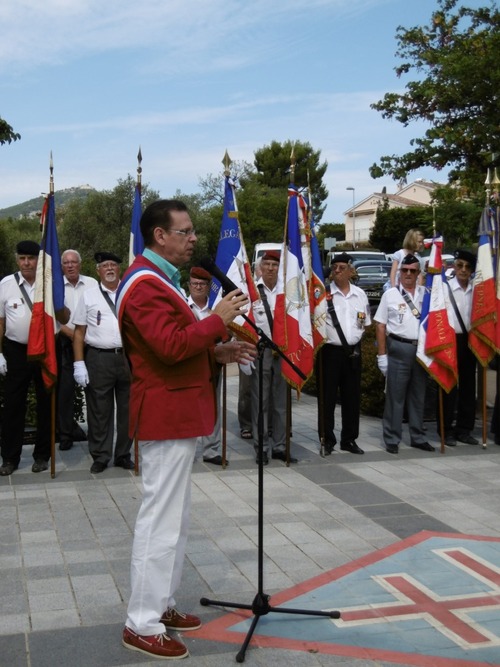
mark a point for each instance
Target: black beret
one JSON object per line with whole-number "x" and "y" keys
{"x": 466, "y": 256}
{"x": 107, "y": 257}
{"x": 410, "y": 259}
{"x": 28, "y": 248}
{"x": 341, "y": 257}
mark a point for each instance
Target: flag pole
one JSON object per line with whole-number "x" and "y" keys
{"x": 495, "y": 183}
{"x": 226, "y": 161}
{"x": 53, "y": 388}
{"x": 288, "y": 421}
{"x": 138, "y": 183}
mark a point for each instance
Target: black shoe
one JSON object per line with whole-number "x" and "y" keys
{"x": 265, "y": 459}
{"x": 215, "y": 460}
{"x": 351, "y": 447}
{"x": 392, "y": 449}
{"x": 98, "y": 466}
{"x": 64, "y": 445}
{"x": 7, "y": 468}
{"x": 329, "y": 446}
{"x": 467, "y": 439}
{"x": 450, "y": 441}
{"x": 39, "y": 466}
{"x": 281, "y": 456}
{"x": 124, "y": 462}
{"x": 425, "y": 446}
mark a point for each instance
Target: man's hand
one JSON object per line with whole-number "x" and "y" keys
{"x": 3, "y": 365}
{"x": 231, "y": 306}
{"x": 382, "y": 363}
{"x": 80, "y": 373}
{"x": 239, "y": 351}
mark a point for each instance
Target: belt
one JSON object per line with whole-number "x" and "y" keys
{"x": 109, "y": 350}
{"x": 403, "y": 340}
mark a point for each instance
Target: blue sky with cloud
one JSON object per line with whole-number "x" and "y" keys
{"x": 187, "y": 79}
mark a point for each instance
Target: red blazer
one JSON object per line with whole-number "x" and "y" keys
{"x": 171, "y": 355}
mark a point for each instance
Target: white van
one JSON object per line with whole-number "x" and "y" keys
{"x": 261, "y": 248}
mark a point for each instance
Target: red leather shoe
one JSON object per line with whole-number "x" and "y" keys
{"x": 176, "y": 620}
{"x": 160, "y": 646}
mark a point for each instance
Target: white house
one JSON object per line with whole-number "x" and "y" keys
{"x": 360, "y": 218}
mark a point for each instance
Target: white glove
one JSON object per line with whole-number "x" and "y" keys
{"x": 382, "y": 363}
{"x": 247, "y": 368}
{"x": 3, "y": 365}
{"x": 80, "y": 373}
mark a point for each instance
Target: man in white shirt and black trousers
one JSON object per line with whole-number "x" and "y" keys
{"x": 340, "y": 357}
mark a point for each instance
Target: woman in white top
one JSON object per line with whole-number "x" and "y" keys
{"x": 413, "y": 243}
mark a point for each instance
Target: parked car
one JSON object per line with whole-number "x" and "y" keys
{"x": 371, "y": 275}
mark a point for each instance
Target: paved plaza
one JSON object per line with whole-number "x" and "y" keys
{"x": 382, "y": 538}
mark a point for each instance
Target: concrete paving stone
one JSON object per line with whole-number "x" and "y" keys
{"x": 51, "y": 602}
{"x": 55, "y": 619}
{"x": 114, "y": 612}
{"x": 41, "y": 554}
{"x": 14, "y": 624}
{"x": 38, "y": 536}
{"x": 13, "y": 650}
{"x": 11, "y": 561}
{"x": 15, "y": 603}
{"x": 48, "y": 585}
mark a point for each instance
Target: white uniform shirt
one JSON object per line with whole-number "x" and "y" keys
{"x": 200, "y": 313}
{"x": 93, "y": 311}
{"x": 14, "y": 309}
{"x": 463, "y": 300}
{"x": 72, "y": 293}
{"x": 396, "y": 314}
{"x": 259, "y": 311}
{"x": 353, "y": 312}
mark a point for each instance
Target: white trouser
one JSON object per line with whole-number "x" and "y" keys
{"x": 160, "y": 531}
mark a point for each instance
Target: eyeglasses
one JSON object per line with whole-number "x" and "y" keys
{"x": 69, "y": 263}
{"x": 403, "y": 270}
{"x": 200, "y": 285}
{"x": 463, "y": 265}
{"x": 340, "y": 267}
{"x": 183, "y": 232}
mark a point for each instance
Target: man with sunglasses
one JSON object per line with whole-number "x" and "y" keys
{"x": 462, "y": 397}
{"x": 398, "y": 321}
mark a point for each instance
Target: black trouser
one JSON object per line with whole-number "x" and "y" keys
{"x": 20, "y": 372}
{"x": 462, "y": 397}
{"x": 340, "y": 373}
{"x": 65, "y": 388}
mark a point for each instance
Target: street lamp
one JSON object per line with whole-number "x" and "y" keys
{"x": 353, "y": 218}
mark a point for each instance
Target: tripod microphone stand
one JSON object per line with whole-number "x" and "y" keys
{"x": 261, "y": 602}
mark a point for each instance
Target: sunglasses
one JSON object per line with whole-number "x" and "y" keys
{"x": 409, "y": 270}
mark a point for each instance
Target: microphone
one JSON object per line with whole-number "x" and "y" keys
{"x": 209, "y": 265}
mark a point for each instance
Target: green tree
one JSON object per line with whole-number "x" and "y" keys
{"x": 11, "y": 232}
{"x": 392, "y": 224}
{"x": 456, "y": 96}
{"x": 101, "y": 222}
{"x": 7, "y": 134}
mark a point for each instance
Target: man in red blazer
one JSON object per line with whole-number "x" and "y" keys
{"x": 172, "y": 402}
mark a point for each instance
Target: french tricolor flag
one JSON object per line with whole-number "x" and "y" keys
{"x": 437, "y": 348}
{"x": 292, "y": 330}
{"x": 483, "y": 316}
{"x": 49, "y": 297}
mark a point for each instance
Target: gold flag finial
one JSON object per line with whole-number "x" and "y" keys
{"x": 226, "y": 161}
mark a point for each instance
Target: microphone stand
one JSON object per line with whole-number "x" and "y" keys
{"x": 261, "y": 602}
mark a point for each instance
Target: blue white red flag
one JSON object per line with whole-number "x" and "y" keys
{"x": 49, "y": 297}
{"x": 292, "y": 330}
{"x": 232, "y": 259}
{"x": 316, "y": 286}
{"x": 136, "y": 245}
{"x": 437, "y": 347}
{"x": 482, "y": 334}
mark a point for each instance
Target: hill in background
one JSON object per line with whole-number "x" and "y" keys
{"x": 33, "y": 207}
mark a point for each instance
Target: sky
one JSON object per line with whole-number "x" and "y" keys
{"x": 186, "y": 80}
